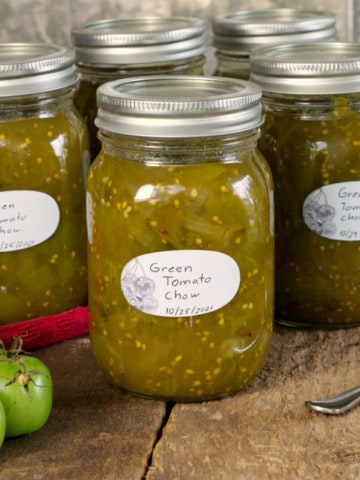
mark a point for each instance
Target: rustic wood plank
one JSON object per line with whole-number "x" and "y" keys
{"x": 94, "y": 431}
{"x": 266, "y": 432}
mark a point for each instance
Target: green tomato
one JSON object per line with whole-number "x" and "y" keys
{"x": 25, "y": 393}
{"x": 2, "y": 424}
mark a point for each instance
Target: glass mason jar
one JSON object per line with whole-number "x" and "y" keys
{"x": 119, "y": 48}
{"x": 236, "y": 34}
{"x": 43, "y": 150}
{"x": 180, "y": 237}
{"x": 311, "y": 138}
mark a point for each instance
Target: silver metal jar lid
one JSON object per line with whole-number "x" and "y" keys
{"x": 178, "y": 106}
{"x": 248, "y": 29}
{"x": 139, "y": 40}
{"x": 309, "y": 68}
{"x": 34, "y": 68}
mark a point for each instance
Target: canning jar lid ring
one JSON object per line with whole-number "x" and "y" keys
{"x": 242, "y": 31}
{"x": 24, "y": 59}
{"x": 272, "y": 21}
{"x": 127, "y": 57}
{"x": 244, "y": 45}
{"x": 313, "y": 68}
{"x": 139, "y": 40}
{"x": 178, "y": 106}
{"x": 137, "y": 31}
{"x": 30, "y": 68}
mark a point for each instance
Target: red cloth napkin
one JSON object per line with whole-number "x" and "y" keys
{"x": 42, "y": 331}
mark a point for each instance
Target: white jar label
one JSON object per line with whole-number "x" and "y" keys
{"x": 333, "y": 211}
{"x": 27, "y": 218}
{"x": 180, "y": 283}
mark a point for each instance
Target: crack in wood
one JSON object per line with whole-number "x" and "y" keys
{"x": 167, "y": 414}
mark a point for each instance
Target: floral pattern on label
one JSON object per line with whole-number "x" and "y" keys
{"x": 333, "y": 211}
{"x": 180, "y": 283}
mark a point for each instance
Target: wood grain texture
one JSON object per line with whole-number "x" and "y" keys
{"x": 94, "y": 431}
{"x": 264, "y": 432}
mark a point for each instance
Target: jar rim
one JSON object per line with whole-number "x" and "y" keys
{"x": 178, "y": 106}
{"x": 307, "y": 68}
{"x": 32, "y": 68}
{"x": 245, "y": 30}
{"x": 139, "y": 40}
{"x": 272, "y": 21}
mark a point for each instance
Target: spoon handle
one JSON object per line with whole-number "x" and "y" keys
{"x": 337, "y": 404}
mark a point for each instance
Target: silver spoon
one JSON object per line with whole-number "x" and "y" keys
{"x": 337, "y": 404}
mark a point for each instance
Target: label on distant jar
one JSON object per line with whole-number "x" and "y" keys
{"x": 180, "y": 283}
{"x": 27, "y": 218}
{"x": 333, "y": 211}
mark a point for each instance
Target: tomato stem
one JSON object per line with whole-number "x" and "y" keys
{"x": 23, "y": 377}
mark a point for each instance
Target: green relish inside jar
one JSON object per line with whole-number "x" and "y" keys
{"x": 180, "y": 238}
{"x": 44, "y": 150}
{"x": 311, "y": 139}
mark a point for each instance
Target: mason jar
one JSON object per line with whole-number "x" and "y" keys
{"x": 44, "y": 153}
{"x": 311, "y": 138}
{"x": 180, "y": 229}
{"x": 236, "y": 34}
{"x": 119, "y": 48}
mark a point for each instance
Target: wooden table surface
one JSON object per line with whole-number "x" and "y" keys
{"x": 264, "y": 432}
